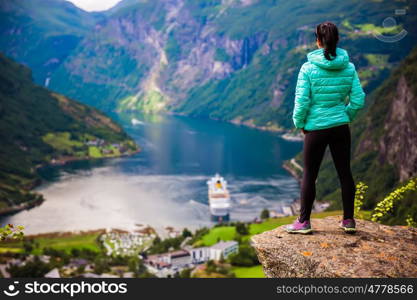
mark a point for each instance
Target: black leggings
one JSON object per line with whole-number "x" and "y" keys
{"x": 315, "y": 143}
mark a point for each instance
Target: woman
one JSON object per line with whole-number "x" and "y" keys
{"x": 324, "y": 82}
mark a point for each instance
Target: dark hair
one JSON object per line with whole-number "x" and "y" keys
{"x": 328, "y": 35}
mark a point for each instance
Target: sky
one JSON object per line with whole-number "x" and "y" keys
{"x": 94, "y": 5}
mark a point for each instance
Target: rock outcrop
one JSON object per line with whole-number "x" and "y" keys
{"x": 399, "y": 145}
{"x": 374, "y": 251}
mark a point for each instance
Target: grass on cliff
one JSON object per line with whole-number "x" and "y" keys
{"x": 94, "y": 152}
{"x": 248, "y": 272}
{"x": 83, "y": 241}
{"x": 66, "y": 243}
{"x": 61, "y": 141}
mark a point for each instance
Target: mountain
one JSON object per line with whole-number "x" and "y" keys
{"x": 232, "y": 60}
{"x": 229, "y": 60}
{"x": 39, "y": 127}
{"x": 384, "y": 149}
{"x": 42, "y": 33}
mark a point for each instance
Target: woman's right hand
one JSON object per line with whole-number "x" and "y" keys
{"x": 304, "y": 131}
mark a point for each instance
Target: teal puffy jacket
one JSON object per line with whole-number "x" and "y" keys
{"x": 322, "y": 88}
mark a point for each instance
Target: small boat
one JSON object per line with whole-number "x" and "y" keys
{"x": 219, "y": 199}
{"x": 136, "y": 122}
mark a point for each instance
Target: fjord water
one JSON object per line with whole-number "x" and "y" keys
{"x": 165, "y": 184}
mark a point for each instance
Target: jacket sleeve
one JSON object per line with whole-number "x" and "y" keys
{"x": 302, "y": 98}
{"x": 356, "y": 98}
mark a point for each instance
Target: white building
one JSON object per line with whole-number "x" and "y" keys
{"x": 167, "y": 264}
{"x": 179, "y": 258}
{"x": 199, "y": 255}
{"x": 223, "y": 249}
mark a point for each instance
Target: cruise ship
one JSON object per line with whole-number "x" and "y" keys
{"x": 219, "y": 199}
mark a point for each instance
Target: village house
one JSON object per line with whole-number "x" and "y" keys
{"x": 223, "y": 249}
{"x": 167, "y": 264}
{"x": 96, "y": 142}
{"x": 199, "y": 255}
{"x": 177, "y": 259}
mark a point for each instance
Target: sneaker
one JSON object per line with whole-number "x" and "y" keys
{"x": 298, "y": 227}
{"x": 348, "y": 225}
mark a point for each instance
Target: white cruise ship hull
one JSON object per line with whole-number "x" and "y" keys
{"x": 219, "y": 199}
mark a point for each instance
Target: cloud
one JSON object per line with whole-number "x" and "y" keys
{"x": 95, "y": 5}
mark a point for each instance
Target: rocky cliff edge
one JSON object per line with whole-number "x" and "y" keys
{"x": 374, "y": 251}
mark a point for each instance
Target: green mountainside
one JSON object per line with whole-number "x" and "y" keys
{"x": 228, "y": 60}
{"x": 38, "y": 127}
{"x": 42, "y": 33}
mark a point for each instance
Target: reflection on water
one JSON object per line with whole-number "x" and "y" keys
{"x": 165, "y": 184}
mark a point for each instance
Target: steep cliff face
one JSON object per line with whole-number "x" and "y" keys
{"x": 388, "y": 127}
{"x": 392, "y": 137}
{"x": 398, "y": 146}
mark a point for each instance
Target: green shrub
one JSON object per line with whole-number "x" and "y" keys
{"x": 386, "y": 206}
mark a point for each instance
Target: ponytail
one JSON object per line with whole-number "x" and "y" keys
{"x": 328, "y": 35}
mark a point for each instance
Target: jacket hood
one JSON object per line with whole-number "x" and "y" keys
{"x": 317, "y": 57}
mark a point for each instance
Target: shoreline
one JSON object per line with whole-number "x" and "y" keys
{"x": 292, "y": 166}
{"x": 66, "y": 160}
{"x": 291, "y": 171}
{"x": 237, "y": 122}
{"x": 286, "y": 134}
{"x": 11, "y": 210}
